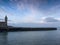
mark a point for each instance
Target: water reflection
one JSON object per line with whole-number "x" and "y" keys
{"x": 3, "y": 38}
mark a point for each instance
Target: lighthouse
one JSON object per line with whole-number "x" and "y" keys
{"x": 6, "y": 20}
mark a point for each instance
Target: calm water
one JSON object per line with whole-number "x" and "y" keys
{"x": 30, "y": 38}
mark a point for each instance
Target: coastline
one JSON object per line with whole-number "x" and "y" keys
{"x": 8, "y": 29}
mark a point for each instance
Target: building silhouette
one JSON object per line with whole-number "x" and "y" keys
{"x": 3, "y": 24}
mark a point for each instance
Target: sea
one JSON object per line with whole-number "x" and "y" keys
{"x": 30, "y": 38}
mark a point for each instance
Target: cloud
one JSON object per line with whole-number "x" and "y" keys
{"x": 53, "y": 11}
{"x": 50, "y": 19}
{"x": 30, "y": 12}
{"x": 23, "y": 3}
{"x": 31, "y": 16}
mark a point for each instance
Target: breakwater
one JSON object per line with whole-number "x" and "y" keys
{"x": 26, "y": 29}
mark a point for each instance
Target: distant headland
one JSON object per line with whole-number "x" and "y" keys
{"x": 5, "y": 27}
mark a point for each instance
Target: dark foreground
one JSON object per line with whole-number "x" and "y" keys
{"x": 26, "y": 29}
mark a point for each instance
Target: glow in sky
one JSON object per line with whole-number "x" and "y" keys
{"x": 30, "y": 11}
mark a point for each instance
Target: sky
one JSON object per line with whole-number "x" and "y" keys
{"x": 31, "y": 12}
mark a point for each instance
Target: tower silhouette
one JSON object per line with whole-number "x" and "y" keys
{"x": 6, "y": 20}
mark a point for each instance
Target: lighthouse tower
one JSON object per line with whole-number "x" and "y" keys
{"x": 6, "y": 20}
